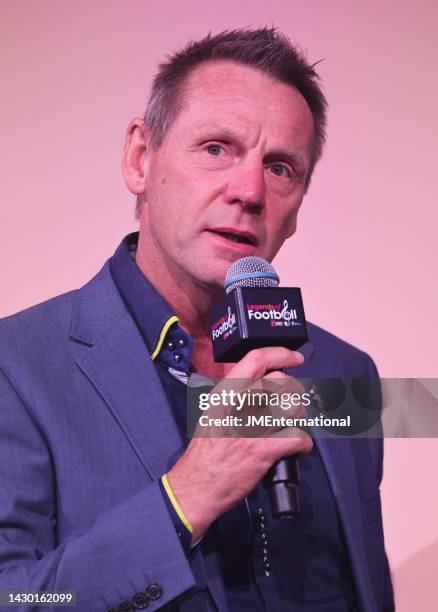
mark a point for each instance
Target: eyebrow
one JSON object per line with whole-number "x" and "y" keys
{"x": 218, "y": 129}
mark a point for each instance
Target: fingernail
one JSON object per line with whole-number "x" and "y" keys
{"x": 299, "y": 356}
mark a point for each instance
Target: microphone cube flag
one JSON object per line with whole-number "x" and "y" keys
{"x": 254, "y": 317}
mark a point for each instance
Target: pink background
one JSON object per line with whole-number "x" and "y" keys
{"x": 73, "y": 75}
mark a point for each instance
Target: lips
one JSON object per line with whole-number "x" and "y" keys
{"x": 236, "y": 235}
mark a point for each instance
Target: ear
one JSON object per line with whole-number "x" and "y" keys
{"x": 134, "y": 162}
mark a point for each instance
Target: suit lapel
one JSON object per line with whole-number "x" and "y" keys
{"x": 118, "y": 364}
{"x": 122, "y": 371}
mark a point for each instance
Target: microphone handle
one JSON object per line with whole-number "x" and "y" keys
{"x": 282, "y": 481}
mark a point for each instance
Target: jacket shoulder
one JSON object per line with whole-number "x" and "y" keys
{"x": 43, "y": 318}
{"x": 47, "y": 326}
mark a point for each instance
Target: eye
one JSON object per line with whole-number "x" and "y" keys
{"x": 214, "y": 149}
{"x": 280, "y": 170}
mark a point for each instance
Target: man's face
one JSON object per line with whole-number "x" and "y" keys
{"x": 229, "y": 177}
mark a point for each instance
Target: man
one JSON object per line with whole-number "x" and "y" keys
{"x": 100, "y": 495}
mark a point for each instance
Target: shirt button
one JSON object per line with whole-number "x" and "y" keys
{"x": 171, "y": 345}
{"x": 267, "y": 566}
{"x": 177, "y": 357}
{"x": 182, "y": 342}
{"x": 154, "y": 591}
{"x": 265, "y": 542}
{"x": 262, "y": 517}
{"x": 140, "y": 601}
{"x": 125, "y": 606}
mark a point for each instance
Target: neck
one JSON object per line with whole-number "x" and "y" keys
{"x": 189, "y": 300}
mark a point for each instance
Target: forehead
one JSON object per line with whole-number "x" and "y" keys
{"x": 244, "y": 99}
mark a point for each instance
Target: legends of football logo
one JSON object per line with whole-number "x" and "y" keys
{"x": 279, "y": 315}
{"x": 225, "y": 326}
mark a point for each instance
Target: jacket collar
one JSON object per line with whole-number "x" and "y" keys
{"x": 96, "y": 308}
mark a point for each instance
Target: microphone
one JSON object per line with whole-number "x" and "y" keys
{"x": 255, "y": 313}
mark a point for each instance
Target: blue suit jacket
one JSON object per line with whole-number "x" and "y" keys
{"x": 86, "y": 432}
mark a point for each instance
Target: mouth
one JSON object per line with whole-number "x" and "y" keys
{"x": 234, "y": 235}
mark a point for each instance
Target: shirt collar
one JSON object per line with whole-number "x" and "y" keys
{"x": 166, "y": 341}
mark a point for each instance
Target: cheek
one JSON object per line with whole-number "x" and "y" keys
{"x": 175, "y": 209}
{"x": 164, "y": 194}
{"x": 281, "y": 228}
{"x": 177, "y": 190}
{"x": 290, "y": 223}
{"x": 286, "y": 223}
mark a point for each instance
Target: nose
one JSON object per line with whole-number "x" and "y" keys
{"x": 247, "y": 187}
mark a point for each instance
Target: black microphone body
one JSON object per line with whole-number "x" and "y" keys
{"x": 250, "y": 317}
{"x": 282, "y": 482}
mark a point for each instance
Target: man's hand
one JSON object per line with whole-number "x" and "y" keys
{"x": 214, "y": 474}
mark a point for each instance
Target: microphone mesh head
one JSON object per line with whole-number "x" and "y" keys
{"x": 250, "y": 272}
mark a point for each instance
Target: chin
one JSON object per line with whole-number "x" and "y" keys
{"x": 206, "y": 267}
{"x": 214, "y": 282}
{"x": 211, "y": 277}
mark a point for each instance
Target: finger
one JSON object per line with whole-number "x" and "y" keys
{"x": 283, "y": 382}
{"x": 257, "y": 362}
{"x": 292, "y": 441}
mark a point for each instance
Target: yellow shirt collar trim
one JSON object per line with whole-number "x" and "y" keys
{"x": 173, "y": 319}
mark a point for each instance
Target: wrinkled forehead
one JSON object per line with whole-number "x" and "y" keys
{"x": 227, "y": 79}
{"x": 242, "y": 96}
